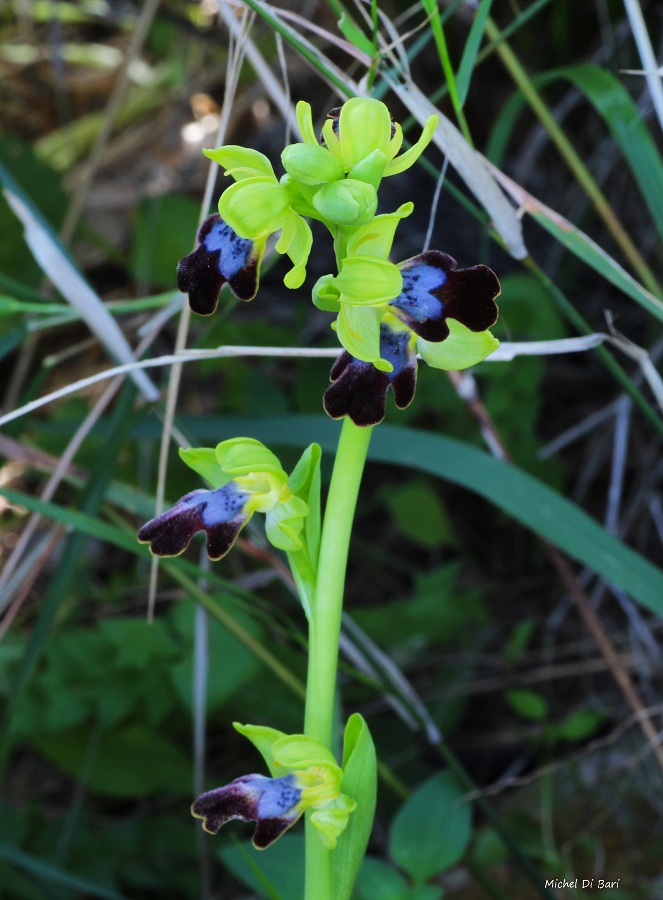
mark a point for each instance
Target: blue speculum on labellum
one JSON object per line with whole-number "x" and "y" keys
{"x": 220, "y": 513}
{"x": 274, "y": 803}
{"x": 221, "y": 256}
{"x": 434, "y": 290}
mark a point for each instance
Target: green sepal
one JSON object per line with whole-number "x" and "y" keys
{"x": 246, "y": 456}
{"x": 347, "y": 202}
{"x": 311, "y": 164}
{"x": 376, "y": 238}
{"x": 364, "y": 126}
{"x": 203, "y": 461}
{"x": 369, "y": 281}
{"x": 360, "y": 784}
{"x": 358, "y": 330}
{"x": 326, "y": 294}
{"x": 263, "y": 739}
{"x": 463, "y": 348}
{"x": 284, "y": 524}
{"x": 254, "y": 207}
{"x": 241, "y": 162}
{"x": 297, "y": 751}
{"x": 305, "y": 122}
{"x": 305, "y": 483}
{"x": 370, "y": 169}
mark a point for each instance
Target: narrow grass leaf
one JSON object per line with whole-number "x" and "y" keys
{"x": 58, "y": 266}
{"x": 471, "y": 50}
{"x": 471, "y": 167}
{"x": 582, "y": 246}
{"x": 525, "y": 498}
{"x": 614, "y": 104}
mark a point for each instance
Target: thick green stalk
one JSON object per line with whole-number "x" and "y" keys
{"x": 325, "y": 626}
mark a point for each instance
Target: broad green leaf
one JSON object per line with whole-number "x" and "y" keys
{"x": 359, "y": 783}
{"x": 528, "y": 704}
{"x": 380, "y": 881}
{"x": 431, "y": 831}
{"x": 42, "y": 870}
{"x": 418, "y": 513}
{"x": 277, "y": 874}
{"x": 579, "y": 725}
{"x": 164, "y": 230}
{"x": 133, "y": 761}
{"x": 232, "y": 665}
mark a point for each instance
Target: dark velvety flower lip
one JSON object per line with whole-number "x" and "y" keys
{"x": 219, "y": 513}
{"x": 434, "y": 290}
{"x": 221, "y": 256}
{"x": 359, "y": 390}
{"x": 270, "y": 802}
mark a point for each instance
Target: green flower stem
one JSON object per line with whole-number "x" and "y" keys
{"x": 325, "y": 623}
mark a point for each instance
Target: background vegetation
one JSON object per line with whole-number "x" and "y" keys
{"x": 513, "y": 608}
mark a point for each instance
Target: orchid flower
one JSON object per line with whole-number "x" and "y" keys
{"x": 246, "y": 478}
{"x": 305, "y": 776}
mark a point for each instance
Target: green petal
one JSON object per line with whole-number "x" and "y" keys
{"x": 255, "y": 207}
{"x": 296, "y": 241}
{"x": 326, "y": 294}
{"x": 331, "y": 821}
{"x": 332, "y": 142}
{"x": 364, "y": 126}
{"x": 242, "y": 162}
{"x": 245, "y": 456}
{"x": 358, "y": 330}
{"x": 370, "y": 169}
{"x": 203, "y": 461}
{"x": 407, "y": 159}
{"x": 463, "y": 348}
{"x": 368, "y": 280}
{"x": 297, "y": 751}
{"x": 305, "y": 122}
{"x": 347, "y": 202}
{"x": 377, "y": 237}
{"x": 311, "y": 165}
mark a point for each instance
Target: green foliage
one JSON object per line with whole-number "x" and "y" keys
{"x": 164, "y": 228}
{"x": 98, "y": 704}
{"x": 431, "y": 831}
{"x": 277, "y": 875}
